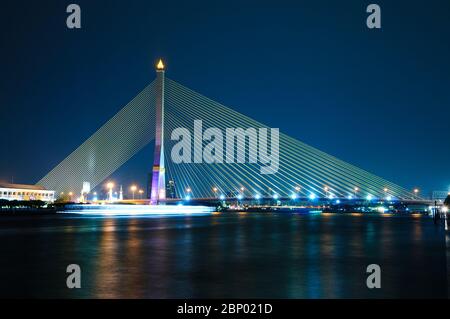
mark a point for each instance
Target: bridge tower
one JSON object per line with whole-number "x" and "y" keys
{"x": 158, "y": 187}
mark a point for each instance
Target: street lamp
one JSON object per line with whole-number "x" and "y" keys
{"x": 140, "y": 193}
{"x": 215, "y": 191}
{"x": 356, "y": 189}
{"x": 416, "y": 191}
{"x": 133, "y": 189}
{"x": 110, "y": 186}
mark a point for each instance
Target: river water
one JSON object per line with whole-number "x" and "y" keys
{"x": 255, "y": 255}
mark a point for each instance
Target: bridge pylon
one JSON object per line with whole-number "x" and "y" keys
{"x": 158, "y": 186}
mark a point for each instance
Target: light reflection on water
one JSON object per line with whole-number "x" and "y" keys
{"x": 223, "y": 255}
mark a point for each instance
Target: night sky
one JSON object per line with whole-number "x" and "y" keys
{"x": 379, "y": 99}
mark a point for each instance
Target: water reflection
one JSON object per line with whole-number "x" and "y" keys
{"x": 224, "y": 255}
{"x": 107, "y": 271}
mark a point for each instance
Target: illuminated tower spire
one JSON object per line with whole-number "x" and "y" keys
{"x": 158, "y": 187}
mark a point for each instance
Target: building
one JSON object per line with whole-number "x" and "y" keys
{"x": 170, "y": 189}
{"x": 25, "y": 192}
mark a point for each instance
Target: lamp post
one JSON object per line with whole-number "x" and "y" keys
{"x": 356, "y": 189}
{"x": 416, "y": 191}
{"x": 140, "y": 193}
{"x": 110, "y": 186}
{"x": 133, "y": 190}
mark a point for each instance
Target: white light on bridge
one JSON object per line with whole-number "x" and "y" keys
{"x": 257, "y": 196}
{"x": 312, "y": 196}
{"x": 369, "y": 197}
{"x": 222, "y": 197}
{"x": 275, "y": 196}
{"x": 294, "y": 196}
{"x": 381, "y": 209}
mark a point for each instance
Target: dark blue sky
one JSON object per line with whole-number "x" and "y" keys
{"x": 379, "y": 99}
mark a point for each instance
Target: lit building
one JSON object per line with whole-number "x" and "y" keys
{"x": 170, "y": 189}
{"x": 25, "y": 192}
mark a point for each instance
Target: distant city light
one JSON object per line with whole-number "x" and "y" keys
{"x": 350, "y": 197}
{"x": 338, "y": 201}
{"x": 381, "y": 209}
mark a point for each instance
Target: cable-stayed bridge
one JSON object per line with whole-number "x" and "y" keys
{"x": 204, "y": 149}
